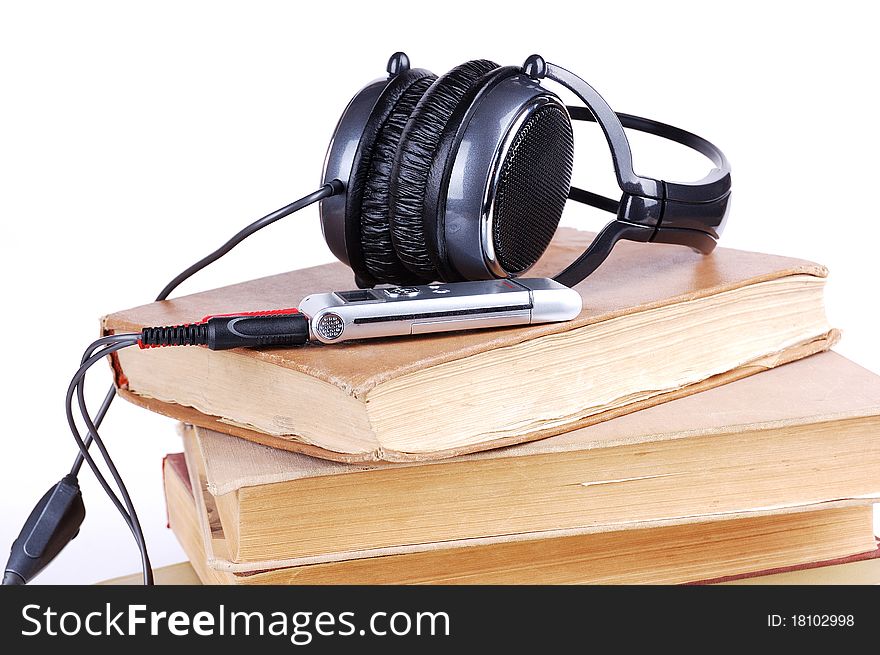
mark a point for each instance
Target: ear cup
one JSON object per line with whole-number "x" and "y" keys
{"x": 380, "y": 257}
{"x": 413, "y": 160}
{"x": 395, "y": 104}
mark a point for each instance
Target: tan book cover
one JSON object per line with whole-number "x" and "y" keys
{"x": 659, "y": 322}
{"x": 801, "y": 433}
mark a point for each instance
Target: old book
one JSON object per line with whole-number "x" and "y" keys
{"x": 663, "y": 554}
{"x": 659, "y": 322}
{"x": 801, "y": 433}
{"x": 858, "y": 570}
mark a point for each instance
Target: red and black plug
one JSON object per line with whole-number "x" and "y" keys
{"x": 278, "y": 327}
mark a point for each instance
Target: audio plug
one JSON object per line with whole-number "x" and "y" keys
{"x": 280, "y": 327}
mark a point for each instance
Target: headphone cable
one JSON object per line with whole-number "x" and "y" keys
{"x": 56, "y": 518}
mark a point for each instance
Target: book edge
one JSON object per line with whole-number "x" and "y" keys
{"x": 848, "y": 559}
{"x": 192, "y": 416}
{"x": 869, "y": 412}
{"x": 234, "y": 577}
{"x": 815, "y": 345}
{"x": 227, "y": 565}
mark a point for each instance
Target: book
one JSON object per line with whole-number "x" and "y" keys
{"x": 856, "y": 571}
{"x": 674, "y": 553}
{"x": 801, "y": 433}
{"x": 659, "y": 322}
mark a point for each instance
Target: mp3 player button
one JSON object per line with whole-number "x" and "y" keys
{"x": 402, "y": 292}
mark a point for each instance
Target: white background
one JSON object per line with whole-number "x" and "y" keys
{"x": 136, "y": 137}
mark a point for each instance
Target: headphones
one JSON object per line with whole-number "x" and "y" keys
{"x": 453, "y": 178}
{"x": 465, "y": 176}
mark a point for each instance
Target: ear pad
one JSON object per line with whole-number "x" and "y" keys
{"x": 380, "y": 258}
{"x": 373, "y": 258}
{"x": 412, "y": 164}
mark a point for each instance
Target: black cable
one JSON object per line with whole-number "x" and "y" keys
{"x": 132, "y": 518}
{"x": 99, "y": 417}
{"x": 57, "y": 516}
{"x": 125, "y": 507}
{"x": 594, "y": 200}
{"x": 102, "y": 410}
{"x": 108, "y": 345}
{"x": 116, "y": 342}
{"x": 332, "y": 188}
{"x": 89, "y": 361}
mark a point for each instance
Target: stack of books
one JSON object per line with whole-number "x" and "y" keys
{"x": 690, "y": 426}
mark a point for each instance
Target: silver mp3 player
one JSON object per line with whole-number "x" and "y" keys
{"x": 395, "y": 311}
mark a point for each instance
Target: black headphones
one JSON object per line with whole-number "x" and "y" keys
{"x": 465, "y": 176}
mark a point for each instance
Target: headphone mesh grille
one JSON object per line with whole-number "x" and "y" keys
{"x": 532, "y": 189}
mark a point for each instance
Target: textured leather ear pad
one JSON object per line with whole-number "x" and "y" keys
{"x": 412, "y": 164}
{"x": 380, "y": 257}
{"x": 396, "y": 101}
